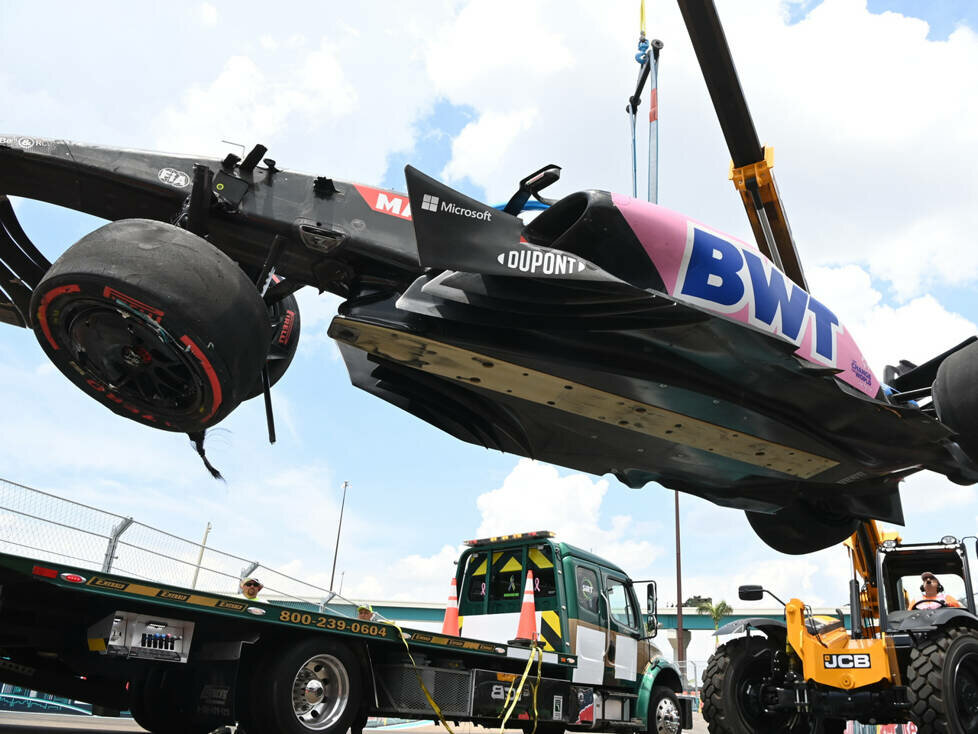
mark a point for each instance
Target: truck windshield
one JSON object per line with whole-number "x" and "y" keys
{"x": 475, "y": 576}
{"x": 507, "y": 574}
{"x": 541, "y": 562}
{"x": 499, "y": 576}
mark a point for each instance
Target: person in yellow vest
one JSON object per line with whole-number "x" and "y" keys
{"x": 365, "y": 612}
{"x": 250, "y": 587}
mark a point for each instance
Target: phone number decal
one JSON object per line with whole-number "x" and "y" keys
{"x": 333, "y": 623}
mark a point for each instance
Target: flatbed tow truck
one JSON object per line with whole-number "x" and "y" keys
{"x": 184, "y": 660}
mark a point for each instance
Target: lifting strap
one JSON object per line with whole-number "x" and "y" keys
{"x": 648, "y": 67}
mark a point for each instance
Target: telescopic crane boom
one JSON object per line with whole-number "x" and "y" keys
{"x": 751, "y": 164}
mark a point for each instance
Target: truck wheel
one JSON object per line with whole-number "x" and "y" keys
{"x": 284, "y": 319}
{"x": 664, "y": 715}
{"x": 731, "y": 690}
{"x": 313, "y": 686}
{"x": 955, "y": 398}
{"x": 154, "y": 322}
{"x": 547, "y": 727}
{"x": 943, "y": 682}
{"x": 158, "y": 703}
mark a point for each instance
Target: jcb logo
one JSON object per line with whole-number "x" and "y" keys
{"x": 859, "y": 660}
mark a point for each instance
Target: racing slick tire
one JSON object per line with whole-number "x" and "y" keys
{"x": 285, "y": 323}
{"x": 313, "y": 686}
{"x": 154, "y": 322}
{"x": 955, "y": 397}
{"x": 665, "y": 716}
{"x": 802, "y": 528}
{"x": 731, "y": 703}
{"x": 942, "y": 680}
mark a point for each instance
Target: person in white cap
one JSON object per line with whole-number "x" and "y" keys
{"x": 250, "y": 587}
{"x": 934, "y": 596}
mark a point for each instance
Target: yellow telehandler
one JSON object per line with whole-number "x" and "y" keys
{"x": 896, "y": 662}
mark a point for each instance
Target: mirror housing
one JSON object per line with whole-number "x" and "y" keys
{"x": 750, "y": 592}
{"x": 652, "y": 603}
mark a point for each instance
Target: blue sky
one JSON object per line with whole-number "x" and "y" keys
{"x": 876, "y": 155}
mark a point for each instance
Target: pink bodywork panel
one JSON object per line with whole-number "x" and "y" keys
{"x": 668, "y": 239}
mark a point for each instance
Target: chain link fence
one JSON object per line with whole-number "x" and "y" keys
{"x": 47, "y": 527}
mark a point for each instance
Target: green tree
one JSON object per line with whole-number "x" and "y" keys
{"x": 717, "y": 611}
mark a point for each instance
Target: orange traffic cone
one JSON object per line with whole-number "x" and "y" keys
{"x": 527, "y": 631}
{"x": 450, "y": 625}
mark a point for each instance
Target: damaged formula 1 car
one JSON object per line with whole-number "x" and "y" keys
{"x": 605, "y": 335}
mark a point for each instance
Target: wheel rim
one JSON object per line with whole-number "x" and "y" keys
{"x": 966, "y": 691}
{"x": 749, "y": 700}
{"x": 748, "y": 693}
{"x": 134, "y": 358}
{"x": 667, "y": 719}
{"x": 320, "y": 692}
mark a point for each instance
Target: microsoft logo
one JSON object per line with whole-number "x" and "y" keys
{"x": 430, "y": 203}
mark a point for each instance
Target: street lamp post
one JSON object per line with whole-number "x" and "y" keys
{"x": 339, "y": 527}
{"x": 680, "y": 648}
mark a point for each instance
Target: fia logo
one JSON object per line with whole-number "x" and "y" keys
{"x": 858, "y": 660}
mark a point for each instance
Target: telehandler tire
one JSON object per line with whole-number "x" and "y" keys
{"x": 943, "y": 682}
{"x": 730, "y": 690}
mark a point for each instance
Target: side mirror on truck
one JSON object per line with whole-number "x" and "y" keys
{"x": 652, "y": 602}
{"x": 750, "y": 592}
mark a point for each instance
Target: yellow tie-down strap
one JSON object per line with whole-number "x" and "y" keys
{"x": 510, "y": 706}
{"x": 489, "y": 373}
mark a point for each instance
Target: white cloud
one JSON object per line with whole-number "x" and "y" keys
{"x": 535, "y": 497}
{"x": 316, "y": 311}
{"x": 244, "y": 103}
{"x": 476, "y": 150}
{"x": 208, "y": 15}
{"x": 916, "y": 330}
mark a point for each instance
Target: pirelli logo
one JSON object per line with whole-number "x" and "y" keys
{"x": 846, "y": 660}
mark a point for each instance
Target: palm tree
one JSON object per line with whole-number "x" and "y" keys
{"x": 717, "y": 611}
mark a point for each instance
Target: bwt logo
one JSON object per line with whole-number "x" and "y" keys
{"x": 430, "y": 203}
{"x": 725, "y": 277}
{"x": 859, "y": 660}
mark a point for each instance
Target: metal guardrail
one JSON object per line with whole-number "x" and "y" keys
{"x": 44, "y": 526}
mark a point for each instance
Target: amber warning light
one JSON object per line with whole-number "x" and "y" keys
{"x": 506, "y": 538}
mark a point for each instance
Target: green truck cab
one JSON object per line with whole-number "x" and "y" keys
{"x": 587, "y": 608}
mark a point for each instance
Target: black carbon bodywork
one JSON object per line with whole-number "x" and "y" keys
{"x": 591, "y": 365}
